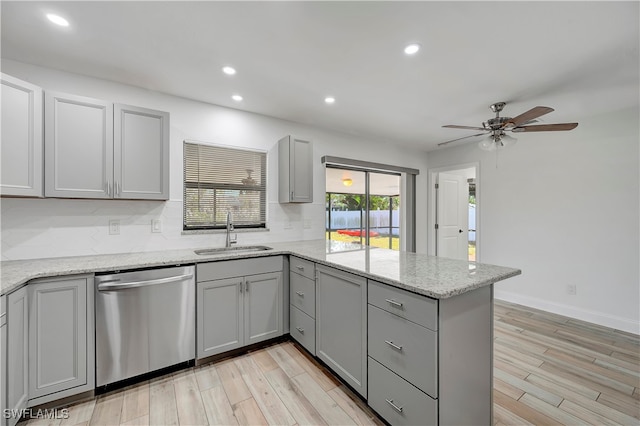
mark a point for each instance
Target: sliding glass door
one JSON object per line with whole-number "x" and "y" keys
{"x": 363, "y": 206}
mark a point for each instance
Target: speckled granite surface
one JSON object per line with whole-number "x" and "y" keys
{"x": 435, "y": 277}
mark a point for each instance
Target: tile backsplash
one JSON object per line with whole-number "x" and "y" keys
{"x": 38, "y": 228}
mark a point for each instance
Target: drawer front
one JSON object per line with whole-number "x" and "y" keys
{"x": 414, "y": 307}
{"x": 398, "y": 401}
{"x": 303, "y": 293}
{"x": 406, "y": 348}
{"x": 238, "y": 268}
{"x": 303, "y": 329}
{"x": 304, "y": 267}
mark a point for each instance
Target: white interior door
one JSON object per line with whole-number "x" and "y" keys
{"x": 452, "y": 216}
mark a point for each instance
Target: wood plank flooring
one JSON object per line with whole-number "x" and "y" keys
{"x": 548, "y": 369}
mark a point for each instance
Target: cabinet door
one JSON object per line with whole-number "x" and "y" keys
{"x": 301, "y": 170}
{"x": 141, "y": 153}
{"x": 57, "y": 336}
{"x": 78, "y": 147}
{"x": 21, "y": 139}
{"x": 219, "y": 313}
{"x": 295, "y": 170}
{"x": 263, "y": 307}
{"x": 341, "y": 325}
{"x": 17, "y": 351}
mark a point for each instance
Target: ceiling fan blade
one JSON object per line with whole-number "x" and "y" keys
{"x": 529, "y": 115}
{"x": 546, "y": 127}
{"x": 453, "y": 126}
{"x": 459, "y": 139}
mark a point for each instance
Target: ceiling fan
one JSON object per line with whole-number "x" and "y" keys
{"x": 496, "y": 127}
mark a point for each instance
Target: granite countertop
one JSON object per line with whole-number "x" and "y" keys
{"x": 431, "y": 276}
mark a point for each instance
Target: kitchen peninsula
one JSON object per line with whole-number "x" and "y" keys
{"x": 411, "y": 333}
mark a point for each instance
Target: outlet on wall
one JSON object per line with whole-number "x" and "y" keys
{"x": 571, "y": 289}
{"x": 156, "y": 225}
{"x": 114, "y": 227}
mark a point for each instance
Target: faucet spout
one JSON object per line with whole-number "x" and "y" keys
{"x": 229, "y": 241}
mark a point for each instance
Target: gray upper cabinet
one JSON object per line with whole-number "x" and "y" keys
{"x": 78, "y": 147}
{"x": 141, "y": 153}
{"x": 17, "y": 351}
{"x": 60, "y": 338}
{"x": 295, "y": 170}
{"x": 341, "y": 325}
{"x": 22, "y": 138}
{"x": 94, "y": 149}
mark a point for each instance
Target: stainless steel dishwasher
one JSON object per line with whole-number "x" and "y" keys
{"x": 145, "y": 321}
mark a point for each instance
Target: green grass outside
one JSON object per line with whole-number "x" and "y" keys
{"x": 382, "y": 242}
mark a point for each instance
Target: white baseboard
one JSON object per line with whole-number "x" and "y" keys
{"x": 595, "y": 317}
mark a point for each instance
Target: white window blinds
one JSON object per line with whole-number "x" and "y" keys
{"x": 220, "y": 179}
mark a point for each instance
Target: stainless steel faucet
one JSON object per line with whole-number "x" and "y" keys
{"x": 229, "y": 241}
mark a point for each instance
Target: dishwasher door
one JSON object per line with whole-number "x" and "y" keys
{"x": 145, "y": 321}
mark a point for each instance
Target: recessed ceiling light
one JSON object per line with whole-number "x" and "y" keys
{"x": 236, "y": 98}
{"x": 58, "y": 20}
{"x": 229, "y": 70}
{"x": 330, "y": 99}
{"x": 412, "y": 49}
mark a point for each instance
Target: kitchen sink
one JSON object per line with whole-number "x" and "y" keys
{"x": 232, "y": 249}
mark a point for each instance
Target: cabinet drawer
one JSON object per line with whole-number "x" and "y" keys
{"x": 303, "y": 267}
{"x": 404, "y": 347}
{"x": 303, "y": 293}
{"x": 238, "y": 268}
{"x": 414, "y": 307}
{"x": 410, "y": 405}
{"x": 303, "y": 329}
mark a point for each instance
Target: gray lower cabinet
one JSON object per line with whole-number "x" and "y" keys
{"x": 341, "y": 325}
{"x": 3, "y": 358}
{"x": 430, "y": 361}
{"x": 17, "y": 352}
{"x": 61, "y": 342}
{"x": 235, "y": 311}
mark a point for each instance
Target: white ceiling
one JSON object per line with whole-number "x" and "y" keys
{"x": 580, "y": 58}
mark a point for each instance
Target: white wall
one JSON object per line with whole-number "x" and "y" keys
{"x": 33, "y": 228}
{"x": 564, "y": 207}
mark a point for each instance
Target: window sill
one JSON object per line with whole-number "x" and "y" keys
{"x": 223, "y": 231}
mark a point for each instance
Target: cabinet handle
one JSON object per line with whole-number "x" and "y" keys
{"x": 246, "y": 286}
{"x": 301, "y": 330}
{"x": 301, "y": 268}
{"x": 299, "y": 293}
{"x": 394, "y": 303}
{"x": 117, "y": 189}
{"x": 108, "y": 189}
{"x": 393, "y": 345}
{"x": 395, "y": 407}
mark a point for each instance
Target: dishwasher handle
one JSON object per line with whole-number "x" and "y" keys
{"x": 110, "y": 285}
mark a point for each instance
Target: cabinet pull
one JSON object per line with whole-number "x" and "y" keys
{"x": 301, "y": 330}
{"x": 117, "y": 189}
{"x": 246, "y": 286}
{"x": 300, "y": 267}
{"x": 299, "y": 293}
{"x": 395, "y": 407}
{"x": 394, "y": 303}
{"x": 393, "y": 345}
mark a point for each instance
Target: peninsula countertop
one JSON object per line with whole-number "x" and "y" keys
{"x": 431, "y": 276}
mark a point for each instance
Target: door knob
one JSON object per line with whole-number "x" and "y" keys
{"x": 459, "y": 231}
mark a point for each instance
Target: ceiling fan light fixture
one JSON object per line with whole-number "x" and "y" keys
{"x": 488, "y": 143}
{"x": 507, "y": 140}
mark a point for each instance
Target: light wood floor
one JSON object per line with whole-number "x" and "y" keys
{"x": 548, "y": 369}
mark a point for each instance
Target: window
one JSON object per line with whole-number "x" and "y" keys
{"x": 219, "y": 179}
